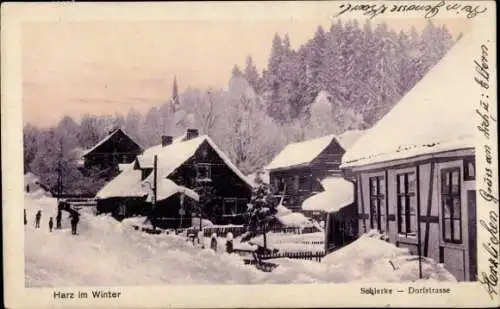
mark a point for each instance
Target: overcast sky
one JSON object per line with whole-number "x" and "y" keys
{"x": 99, "y": 67}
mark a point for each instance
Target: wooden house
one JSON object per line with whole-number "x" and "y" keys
{"x": 415, "y": 169}
{"x": 114, "y": 149}
{"x": 296, "y": 172}
{"x": 184, "y": 165}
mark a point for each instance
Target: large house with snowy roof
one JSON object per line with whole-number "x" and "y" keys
{"x": 297, "y": 171}
{"x": 182, "y": 164}
{"x": 415, "y": 168}
{"x": 114, "y": 149}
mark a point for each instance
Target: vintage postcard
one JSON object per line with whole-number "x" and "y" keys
{"x": 250, "y": 154}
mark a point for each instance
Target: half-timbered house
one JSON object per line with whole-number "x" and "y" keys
{"x": 415, "y": 169}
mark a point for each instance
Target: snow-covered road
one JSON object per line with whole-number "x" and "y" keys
{"x": 108, "y": 253}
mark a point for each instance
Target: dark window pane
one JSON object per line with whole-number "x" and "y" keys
{"x": 447, "y": 229}
{"x": 373, "y": 187}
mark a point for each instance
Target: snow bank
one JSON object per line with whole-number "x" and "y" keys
{"x": 108, "y": 253}
{"x": 282, "y": 210}
{"x": 372, "y": 259}
{"x": 195, "y": 223}
{"x": 291, "y": 242}
{"x": 295, "y": 219}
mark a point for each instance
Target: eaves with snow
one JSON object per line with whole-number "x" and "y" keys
{"x": 303, "y": 153}
{"x": 337, "y": 194}
{"x": 437, "y": 115}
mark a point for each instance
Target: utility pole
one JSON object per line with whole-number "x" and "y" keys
{"x": 59, "y": 172}
{"x": 155, "y": 174}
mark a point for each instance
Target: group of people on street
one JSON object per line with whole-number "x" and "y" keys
{"x": 74, "y": 219}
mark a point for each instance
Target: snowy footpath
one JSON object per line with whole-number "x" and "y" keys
{"x": 107, "y": 253}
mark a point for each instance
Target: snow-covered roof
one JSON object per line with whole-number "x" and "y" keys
{"x": 436, "y": 115}
{"x": 170, "y": 157}
{"x": 300, "y": 153}
{"x": 126, "y": 184}
{"x": 166, "y": 188}
{"x": 304, "y": 152}
{"x": 174, "y": 155}
{"x": 348, "y": 138}
{"x": 338, "y": 193}
{"x": 124, "y": 166}
{"x": 105, "y": 139}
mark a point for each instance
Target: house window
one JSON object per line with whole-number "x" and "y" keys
{"x": 469, "y": 169}
{"x": 303, "y": 182}
{"x": 233, "y": 207}
{"x": 377, "y": 203}
{"x": 407, "y": 204}
{"x": 203, "y": 171}
{"x": 281, "y": 185}
{"x": 296, "y": 183}
{"x": 451, "y": 205}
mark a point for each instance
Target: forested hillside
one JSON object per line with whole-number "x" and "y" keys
{"x": 346, "y": 77}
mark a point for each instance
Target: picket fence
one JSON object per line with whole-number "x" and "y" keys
{"x": 302, "y": 255}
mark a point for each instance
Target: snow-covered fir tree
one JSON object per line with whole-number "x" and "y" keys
{"x": 261, "y": 209}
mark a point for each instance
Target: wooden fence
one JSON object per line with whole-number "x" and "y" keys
{"x": 79, "y": 203}
{"x": 304, "y": 255}
{"x": 221, "y": 231}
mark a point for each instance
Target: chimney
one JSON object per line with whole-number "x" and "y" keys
{"x": 191, "y": 133}
{"x": 166, "y": 140}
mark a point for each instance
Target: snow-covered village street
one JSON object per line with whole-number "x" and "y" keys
{"x": 107, "y": 252}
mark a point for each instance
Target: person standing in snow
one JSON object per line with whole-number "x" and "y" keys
{"x": 58, "y": 219}
{"x": 25, "y": 219}
{"x": 38, "y": 217}
{"x": 51, "y": 224}
{"x": 74, "y": 222}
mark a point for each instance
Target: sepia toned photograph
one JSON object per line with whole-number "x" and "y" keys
{"x": 214, "y": 149}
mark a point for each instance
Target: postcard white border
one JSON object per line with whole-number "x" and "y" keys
{"x": 330, "y": 295}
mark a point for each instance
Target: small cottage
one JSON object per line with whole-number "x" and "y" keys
{"x": 296, "y": 172}
{"x": 114, "y": 149}
{"x": 186, "y": 167}
{"x": 337, "y": 207}
{"x": 415, "y": 169}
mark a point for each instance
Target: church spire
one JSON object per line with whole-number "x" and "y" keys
{"x": 175, "y": 93}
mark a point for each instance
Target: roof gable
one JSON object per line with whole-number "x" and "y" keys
{"x": 118, "y": 138}
{"x": 300, "y": 153}
{"x": 303, "y": 153}
{"x": 170, "y": 158}
{"x": 173, "y": 156}
{"x": 435, "y": 116}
